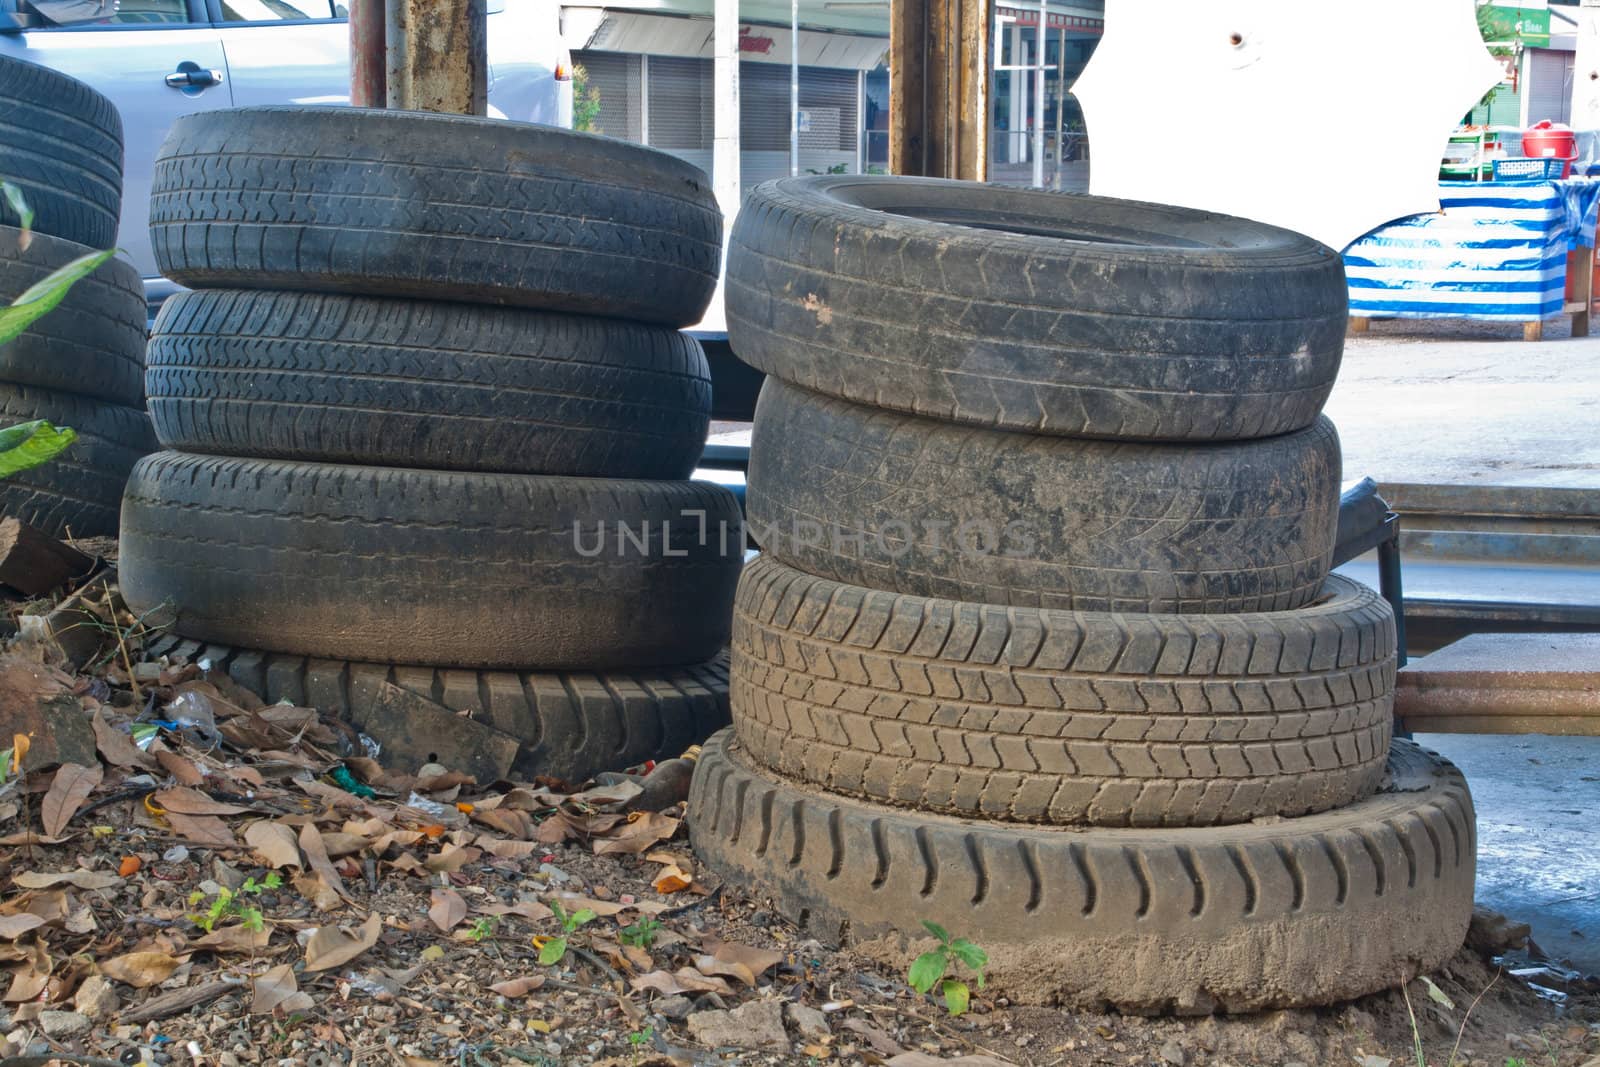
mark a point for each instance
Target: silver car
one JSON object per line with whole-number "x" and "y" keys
{"x": 159, "y": 59}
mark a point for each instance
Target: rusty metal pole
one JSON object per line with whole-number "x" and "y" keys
{"x": 368, "y": 65}
{"x": 437, "y": 56}
{"x": 939, "y": 88}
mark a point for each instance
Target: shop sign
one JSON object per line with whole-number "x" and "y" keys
{"x": 750, "y": 41}
{"x": 1527, "y": 26}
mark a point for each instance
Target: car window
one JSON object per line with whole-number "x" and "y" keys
{"x": 280, "y": 10}
{"x": 109, "y": 12}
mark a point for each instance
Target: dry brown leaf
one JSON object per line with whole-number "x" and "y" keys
{"x": 117, "y": 747}
{"x": 273, "y": 843}
{"x": 527, "y": 909}
{"x": 205, "y": 830}
{"x": 14, "y": 926}
{"x": 511, "y": 850}
{"x": 72, "y": 785}
{"x": 28, "y": 837}
{"x": 670, "y": 879}
{"x": 31, "y": 975}
{"x": 239, "y": 939}
{"x": 80, "y": 878}
{"x": 447, "y": 909}
{"x": 757, "y": 960}
{"x": 185, "y": 772}
{"x": 140, "y": 969}
{"x": 187, "y": 801}
{"x": 323, "y": 897}
{"x": 518, "y": 987}
{"x": 451, "y": 858}
{"x": 341, "y": 844}
{"x": 573, "y": 902}
{"x": 275, "y": 989}
{"x": 709, "y": 965}
{"x": 509, "y": 821}
{"x": 333, "y": 946}
{"x": 685, "y": 980}
{"x": 649, "y": 829}
{"x": 317, "y": 855}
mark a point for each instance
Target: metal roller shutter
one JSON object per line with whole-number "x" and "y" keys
{"x": 615, "y": 77}
{"x": 1549, "y": 85}
{"x": 681, "y": 108}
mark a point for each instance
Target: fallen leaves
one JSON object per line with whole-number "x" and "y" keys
{"x": 277, "y": 989}
{"x": 334, "y": 946}
{"x": 72, "y": 785}
{"x": 273, "y": 843}
{"x": 447, "y": 909}
{"x": 519, "y": 987}
{"x": 81, "y": 878}
{"x": 140, "y": 969}
{"x": 642, "y": 832}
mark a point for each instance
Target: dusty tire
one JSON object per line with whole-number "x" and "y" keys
{"x": 1028, "y": 310}
{"x": 1063, "y": 717}
{"x": 93, "y": 342}
{"x": 379, "y": 564}
{"x": 413, "y": 383}
{"x": 1281, "y": 914}
{"x": 61, "y": 144}
{"x": 437, "y": 207}
{"x": 568, "y": 726}
{"x": 897, "y": 502}
{"x": 78, "y": 492}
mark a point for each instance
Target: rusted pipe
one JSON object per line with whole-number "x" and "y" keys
{"x": 368, "y": 66}
{"x": 437, "y": 52}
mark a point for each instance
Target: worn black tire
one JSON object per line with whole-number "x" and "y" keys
{"x": 908, "y": 504}
{"x": 385, "y": 565}
{"x": 1283, "y": 913}
{"x": 1029, "y": 310}
{"x": 93, "y": 342}
{"x": 442, "y": 207}
{"x": 572, "y": 726}
{"x": 61, "y": 144}
{"x": 413, "y": 383}
{"x": 1063, "y": 717}
{"x": 78, "y": 492}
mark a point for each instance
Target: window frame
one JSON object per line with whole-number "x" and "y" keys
{"x": 196, "y": 10}
{"x": 213, "y": 10}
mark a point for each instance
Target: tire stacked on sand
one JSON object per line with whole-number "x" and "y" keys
{"x": 429, "y": 420}
{"x": 81, "y": 364}
{"x": 1043, "y": 645}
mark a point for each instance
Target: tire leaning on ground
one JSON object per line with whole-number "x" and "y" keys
{"x": 571, "y": 726}
{"x": 79, "y": 491}
{"x": 61, "y": 144}
{"x": 1027, "y": 310}
{"x": 1287, "y": 913}
{"x": 892, "y": 501}
{"x": 1060, "y": 717}
{"x": 441, "y": 207}
{"x": 93, "y": 342}
{"x": 429, "y": 567}
{"x": 415, "y": 383}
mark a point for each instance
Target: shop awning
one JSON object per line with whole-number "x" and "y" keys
{"x": 667, "y": 35}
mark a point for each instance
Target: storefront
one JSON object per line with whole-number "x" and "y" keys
{"x": 1061, "y": 145}
{"x": 651, "y": 74}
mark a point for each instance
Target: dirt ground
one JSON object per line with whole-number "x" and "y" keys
{"x": 257, "y": 891}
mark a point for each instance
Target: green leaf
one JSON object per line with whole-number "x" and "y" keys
{"x": 29, "y": 444}
{"x": 1438, "y": 995}
{"x": 46, "y": 293}
{"x": 937, "y": 931}
{"x": 553, "y": 951}
{"x": 19, "y": 206}
{"x": 581, "y": 916}
{"x": 956, "y": 996}
{"x": 926, "y": 969}
{"x": 970, "y": 954}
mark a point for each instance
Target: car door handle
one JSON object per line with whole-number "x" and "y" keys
{"x": 191, "y": 76}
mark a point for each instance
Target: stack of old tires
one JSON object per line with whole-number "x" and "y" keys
{"x": 82, "y": 364}
{"x": 1043, "y": 645}
{"x": 429, "y": 419}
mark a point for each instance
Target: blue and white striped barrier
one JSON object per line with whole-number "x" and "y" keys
{"x": 1497, "y": 250}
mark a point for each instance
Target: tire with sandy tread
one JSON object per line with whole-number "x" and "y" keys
{"x": 1284, "y": 913}
{"x": 570, "y": 725}
{"x": 436, "y": 207}
{"x": 892, "y": 501}
{"x": 1027, "y": 310}
{"x": 330, "y": 378}
{"x": 79, "y": 491}
{"x": 92, "y": 343}
{"x": 379, "y": 564}
{"x": 1063, "y": 717}
{"x": 61, "y": 145}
